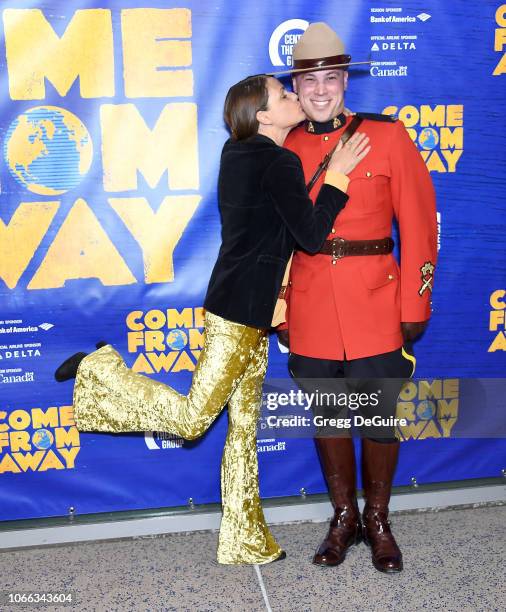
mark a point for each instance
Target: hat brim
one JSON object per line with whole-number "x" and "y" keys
{"x": 317, "y": 68}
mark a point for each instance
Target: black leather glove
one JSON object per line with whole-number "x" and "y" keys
{"x": 411, "y": 331}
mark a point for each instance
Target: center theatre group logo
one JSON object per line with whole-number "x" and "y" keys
{"x": 283, "y": 39}
{"x": 169, "y": 340}
{"x": 438, "y": 131}
{"x": 38, "y": 440}
{"x": 133, "y": 149}
{"x": 430, "y": 408}
{"x": 497, "y": 323}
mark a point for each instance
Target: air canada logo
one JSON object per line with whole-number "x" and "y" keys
{"x": 430, "y": 408}
{"x": 282, "y": 40}
{"x": 165, "y": 340}
{"x": 388, "y": 69}
{"x": 438, "y": 131}
{"x": 270, "y": 445}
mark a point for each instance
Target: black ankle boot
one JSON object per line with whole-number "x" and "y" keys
{"x": 68, "y": 369}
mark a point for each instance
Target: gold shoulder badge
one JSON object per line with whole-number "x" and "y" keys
{"x": 427, "y": 273}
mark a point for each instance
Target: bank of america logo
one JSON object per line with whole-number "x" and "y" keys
{"x": 423, "y": 16}
{"x": 46, "y": 326}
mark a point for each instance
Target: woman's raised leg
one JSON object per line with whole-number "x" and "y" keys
{"x": 110, "y": 397}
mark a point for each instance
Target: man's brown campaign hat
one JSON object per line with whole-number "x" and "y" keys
{"x": 319, "y": 48}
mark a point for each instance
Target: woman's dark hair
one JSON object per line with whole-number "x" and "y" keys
{"x": 243, "y": 101}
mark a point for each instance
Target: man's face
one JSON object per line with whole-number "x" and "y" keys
{"x": 321, "y": 93}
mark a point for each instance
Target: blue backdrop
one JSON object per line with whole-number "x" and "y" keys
{"x": 112, "y": 131}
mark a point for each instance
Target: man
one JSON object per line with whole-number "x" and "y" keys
{"x": 350, "y": 307}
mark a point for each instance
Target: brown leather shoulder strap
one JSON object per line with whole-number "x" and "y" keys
{"x": 351, "y": 129}
{"x": 347, "y": 134}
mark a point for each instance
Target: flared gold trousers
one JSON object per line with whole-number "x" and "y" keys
{"x": 231, "y": 368}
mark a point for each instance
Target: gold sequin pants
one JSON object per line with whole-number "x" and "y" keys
{"x": 110, "y": 397}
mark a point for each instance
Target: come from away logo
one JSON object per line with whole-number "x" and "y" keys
{"x": 431, "y": 408}
{"x": 282, "y": 40}
{"x": 165, "y": 340}
{"x": 500, "y": 39}
{"x": 144, "y": 120}
{"x": 437, "y": 130}
{"x": 497, "y": 321}
{"x": 38, "y": 440}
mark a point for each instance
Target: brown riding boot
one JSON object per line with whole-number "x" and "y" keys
{"x": 378, "y": 466}
{"x": 337, "y": 456}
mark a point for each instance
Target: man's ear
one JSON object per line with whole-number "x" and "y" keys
{"x": 263, "y": 117}
{"x": 345, "y": 80}
{"x": 294, "y": 84}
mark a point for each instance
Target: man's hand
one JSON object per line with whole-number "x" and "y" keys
{"x": 411, "y": 331}
{"x": 283, "y": 337}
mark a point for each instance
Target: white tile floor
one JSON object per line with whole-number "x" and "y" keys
{"x": 454, "y": 561}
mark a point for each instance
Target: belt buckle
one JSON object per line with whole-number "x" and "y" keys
{"x": 337, "y": 248}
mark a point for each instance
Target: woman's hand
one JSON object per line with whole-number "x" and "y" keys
{"x": 346, "y": 157}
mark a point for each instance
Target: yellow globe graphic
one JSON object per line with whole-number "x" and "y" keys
{"x": 177, "y": 340}
{"x": 48, "y": 150}
{"x": 428, "y": 138}
{"x": 43, "y": 439}
{"x": 426, "y": 410}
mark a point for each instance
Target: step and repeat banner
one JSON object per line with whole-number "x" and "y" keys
{"x": 111, "y": 131}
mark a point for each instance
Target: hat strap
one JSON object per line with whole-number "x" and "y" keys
{"x": 322, "y": 62}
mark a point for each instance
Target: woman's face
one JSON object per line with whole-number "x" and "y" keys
{"x": 284, "y": 110}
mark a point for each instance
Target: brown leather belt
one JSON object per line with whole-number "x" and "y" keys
{"x": 339, "y": 247}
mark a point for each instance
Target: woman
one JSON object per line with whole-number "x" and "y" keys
{"x": 265, "y": 212}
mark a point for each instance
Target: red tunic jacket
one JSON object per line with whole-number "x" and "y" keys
{"x": 353, "y": 308}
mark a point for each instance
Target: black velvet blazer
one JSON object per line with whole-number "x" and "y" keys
{"x": 265, "y": 211}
